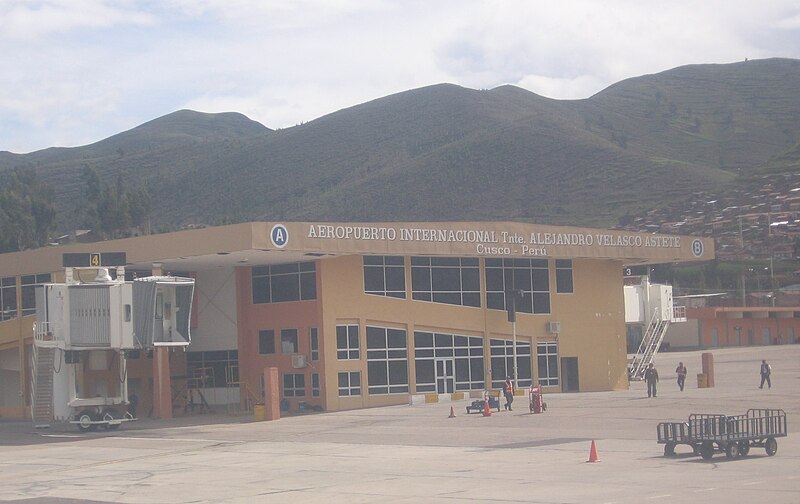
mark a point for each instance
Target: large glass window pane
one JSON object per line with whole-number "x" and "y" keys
{"x": 373, "y": 280}
{"x": 471, "y": 279}
{"x": 266, "y": 342}
{"x": 377, "y": 373}
{"x": 396, "y": 279}
{"x": 289, "y": 343}
{"x": 308, "y": 286}
{"x": 445, "y": 279}
{"x": 564, "y": 276}
{"x": 285, "y": 288}
{"x": 420, "y": 279}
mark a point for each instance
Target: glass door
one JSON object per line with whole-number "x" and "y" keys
{"x": 445, "y": 376}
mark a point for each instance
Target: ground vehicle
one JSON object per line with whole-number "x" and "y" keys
{"x": 479, "y": 405}
{"x": 535, "y": 400}
{"x": 733, "y": 435}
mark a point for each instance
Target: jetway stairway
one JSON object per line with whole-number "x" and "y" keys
{"x": 43, "y": 360}
{"x": 649, "y": 306}
{"x": 651, "y": 342}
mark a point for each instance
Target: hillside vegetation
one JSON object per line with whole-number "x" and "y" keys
{"x": 449, "y": 153}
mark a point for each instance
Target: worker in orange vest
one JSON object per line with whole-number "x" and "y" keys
{"x": 508, "y": 391}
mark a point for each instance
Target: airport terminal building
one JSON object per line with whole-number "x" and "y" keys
{"x": 363, "y": 315}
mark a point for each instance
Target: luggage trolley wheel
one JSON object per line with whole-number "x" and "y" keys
{"x": 669, "y": 449}
{"x": 707, "y": 450}
{"x": 732, "y": 450}
{"x": 85, "y": 419}
{"x": 771, "y": 446}
{"x": 744, "y": 448}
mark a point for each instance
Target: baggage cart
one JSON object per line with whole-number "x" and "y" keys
{"x": 733, "y": 435}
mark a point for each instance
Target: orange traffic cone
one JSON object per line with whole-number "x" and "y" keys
{"x": 593, "y": 453}
{"x": 452, "y": 413}
{"x": 486, "y": 410}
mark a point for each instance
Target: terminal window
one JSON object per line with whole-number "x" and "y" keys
{"x": 564, "y": 276}
{"x": 450, "y": 280}
{"x": 502, "y": 351}
{"x": 281, "y": 283}
{"x": 387, "y": 361}
{"x": 289, "y": 343}
{"x": 347, "y": 347}
{"x": 349, "y": 384}
{"x": 547, "y": 359}
{"x": 28, "y": 284}
{"x": 313, "y": 343}
{"x": 294, "y": 385}
{"x": 8, "y": 298}
{"x": 465, "y": 351}
{"x": 385, "y": 276}
{"x": 531, "y": 276}
{"x": 266, "y": 342}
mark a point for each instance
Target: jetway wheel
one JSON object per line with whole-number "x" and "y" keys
{"x": 85, "y": 419}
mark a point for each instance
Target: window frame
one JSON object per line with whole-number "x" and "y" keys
{"x": 550, "y": 355}
{"x": 430, "y": 274}
{"x": 351, "y": 347}
{"x": 385, "y": 359}
{"x": 263, "y": 343}
{"x": 501, "y": 353}
{"x": 313, "y": 343}
{"x": 564, "y": 277}
{"x": 28, "y": 291}
{"x": 8, "y": 298}
{"x": 381, "y": 267}
{"x": 294, "y": 385}
{"x": 267, "y": 282}
{"x": 290, "y": 335}
{"x": 531, "y": 276}
{"x": 349, "y": 389}
{"x": 461, "y": 349}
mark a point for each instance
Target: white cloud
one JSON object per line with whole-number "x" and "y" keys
{"x": 82, "y": 70}
{"x": 31, "y": 19}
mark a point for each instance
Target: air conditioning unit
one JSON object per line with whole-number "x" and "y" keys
{"x": 298, "y": 361}
{"x": 554, "y": 327}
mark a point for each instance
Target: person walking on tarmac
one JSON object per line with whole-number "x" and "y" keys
{"x": 766, "y": 370}
{"x": 681, "y": 370}
{"x": 651, "y": 377}
{"x": 508, "y": 391}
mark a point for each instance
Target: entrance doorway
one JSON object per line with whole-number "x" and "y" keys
{"x": 569, "y": 370}
{"x": 445, "y": 376}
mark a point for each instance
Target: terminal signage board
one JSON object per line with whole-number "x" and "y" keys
{"x": 94, "y": 260}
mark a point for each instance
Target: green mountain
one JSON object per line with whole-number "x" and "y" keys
{"x": 449, "y": 153}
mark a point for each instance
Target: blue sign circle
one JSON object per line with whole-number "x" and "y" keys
{"x": 697, "y": 248}
{"x": 279, "y": 235}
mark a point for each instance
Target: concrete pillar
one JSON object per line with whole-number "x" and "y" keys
{"x": 162, "y": 384}
{"x": 708, "y": 367}
{"x": 272, "y": 394}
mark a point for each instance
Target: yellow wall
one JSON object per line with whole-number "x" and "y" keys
{"x": 592, "y": 324}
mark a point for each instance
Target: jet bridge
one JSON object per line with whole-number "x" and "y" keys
{"x": 83, "y": 331}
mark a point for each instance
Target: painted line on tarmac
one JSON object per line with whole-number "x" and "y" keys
{"x": 193, "y": 440}
{"x": 129, "y": 438}
{"x": 749, "y": 483}
{"x": 659, "y": 496}
{"x": 710, "y": 489}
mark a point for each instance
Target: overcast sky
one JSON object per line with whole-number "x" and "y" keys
{"x": 73, "y": 72}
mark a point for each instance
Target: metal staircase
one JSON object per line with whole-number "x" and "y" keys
{"x": 42, "y": 386}
{"x": 651, "y": 342}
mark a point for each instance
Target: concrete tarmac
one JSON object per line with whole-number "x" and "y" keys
{"x": 405, "y": 454}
